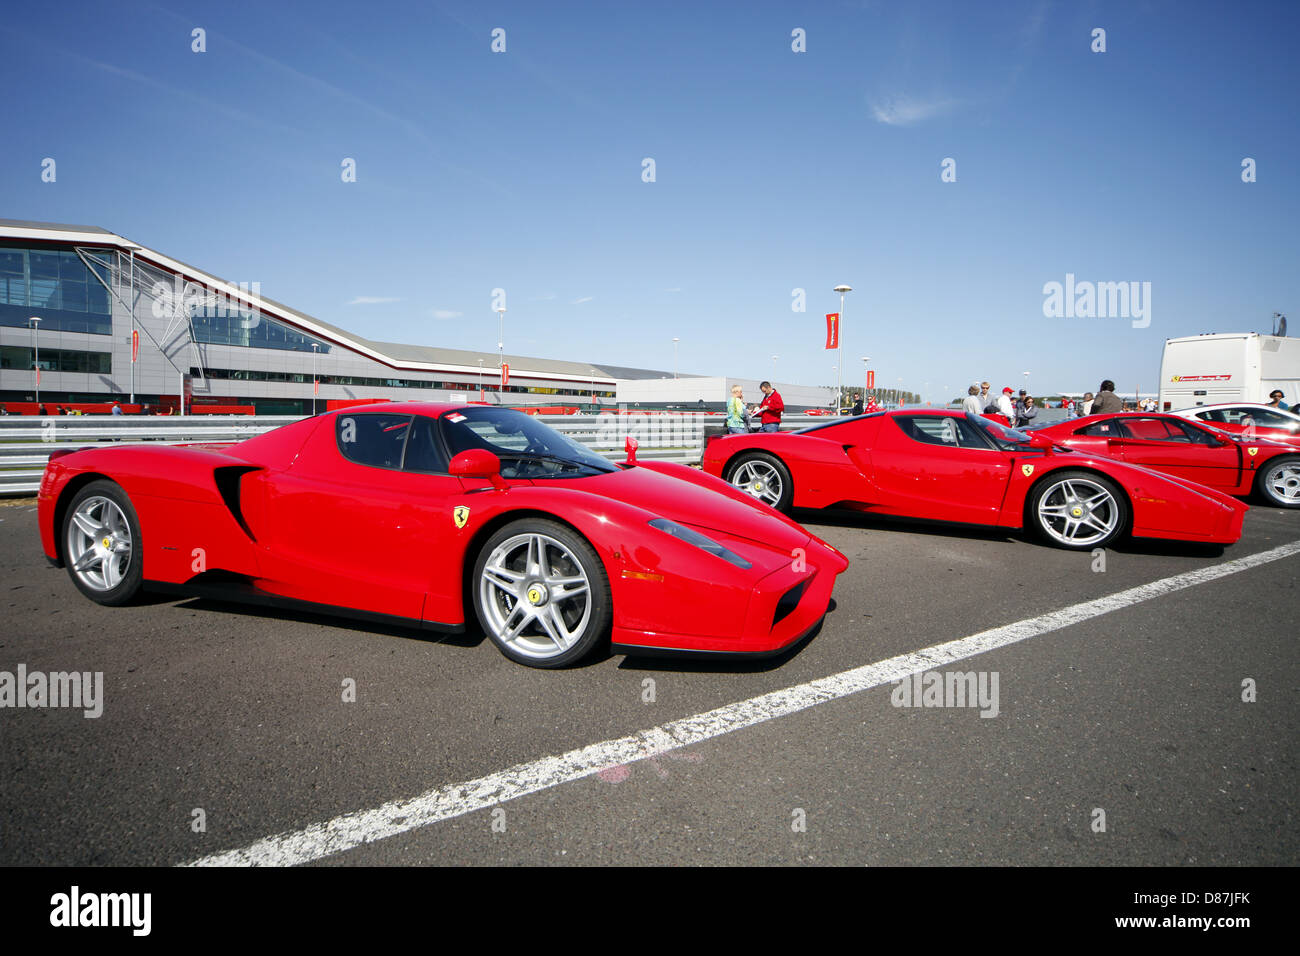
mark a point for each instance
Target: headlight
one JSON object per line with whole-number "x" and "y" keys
{"x": 683, "y": 533}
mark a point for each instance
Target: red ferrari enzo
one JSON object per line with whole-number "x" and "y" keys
{"x": 1187, "y": 449}
{"x": 415, "y": 513}
{"x": 946, "y": 466}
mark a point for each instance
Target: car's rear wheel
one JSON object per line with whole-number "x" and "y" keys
{"x": 1278, "y": 482}
{"x": 1078, "y": 510}
{"x": 101, "y": 544}
{"x": 541, "y": 593}
{"x": 763, "y": 476}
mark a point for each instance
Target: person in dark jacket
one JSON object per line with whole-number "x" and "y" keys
{"x": 857, "y": 404}
{"x": 1107, "y": 402}
{"x": 1025, "y": 412}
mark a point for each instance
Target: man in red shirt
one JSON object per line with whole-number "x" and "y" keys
{"x": 770, "y": 411}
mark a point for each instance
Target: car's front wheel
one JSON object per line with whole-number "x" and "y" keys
{"x": 1278, "y": 482}
{"x": 1078, "y": 510}
{"x": 541, "y": 593}
{"x": 101, "y": 544}
{"x": 765, "y": 477}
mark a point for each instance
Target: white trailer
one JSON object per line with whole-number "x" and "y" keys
{"x": 1228, "y": 367}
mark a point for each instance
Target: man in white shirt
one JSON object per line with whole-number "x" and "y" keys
{"x": 1004, "y": 404}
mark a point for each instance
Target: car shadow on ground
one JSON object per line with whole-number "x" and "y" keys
{"x": 472, "y": 637}
{"x": 875, "y": 522}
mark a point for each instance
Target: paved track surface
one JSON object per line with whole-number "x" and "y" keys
{"x": 239, "y": 712}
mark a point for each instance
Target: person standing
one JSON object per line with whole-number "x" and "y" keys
{"x": 1275, "y": 400}
{"x": 972, "y": 404}
{"x": 857, "y": 404}
{"x": 736, "y": 424}
{"x": 1026, "y": 412}
{"x": 769, "y": 412}
{"x": 986, "y": 397}
{"x": 1107, "y": 402}
{"x": 117, "y": 408}
{"x": 1005, "y": 407}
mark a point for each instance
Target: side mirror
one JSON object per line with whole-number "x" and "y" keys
{"x": 1039, "y": 441}
{"x": 630, "y": 447}
{"x": 478, "y": 463}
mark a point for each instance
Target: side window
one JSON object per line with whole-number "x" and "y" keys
{"x": 1195, "y": 435}
{"x": 1156, "y": 429}
{"x": 940, "y": 430}
{"x": 375, "y": 440}
{"x": 1229, "y": 416}
{"x": 1107, "y": 429}
{"x": 423, "y": 453}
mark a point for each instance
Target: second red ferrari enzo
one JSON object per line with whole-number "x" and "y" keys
{"x": 418, "y": 513}
{"x": 946, "y": 466}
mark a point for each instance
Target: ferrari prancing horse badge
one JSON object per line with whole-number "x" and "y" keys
{"x": 460, "y": 514}
{"x": 1026, "y": 470}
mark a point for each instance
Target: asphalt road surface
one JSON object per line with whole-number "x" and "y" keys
{"x": 1120, "y": 737}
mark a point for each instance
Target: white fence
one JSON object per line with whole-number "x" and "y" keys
{"x": 26, "y": 441}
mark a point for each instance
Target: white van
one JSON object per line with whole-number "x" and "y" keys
{"x": 1228, "y": 367}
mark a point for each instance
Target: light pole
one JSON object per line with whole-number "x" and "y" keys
{"x": 480, "y": 380}
{"x": 315, "y": 381}
{"x": 594, "y": 398}
{"x": 898, "y": 393}
{"x": 36, "y": 359}
{"x": 1026, "y": 383}
{"x": 839, "y": 346}
{"x": 675, "y": 341}
{"x": 501, "y": 338}
{"x": 838, "y": 400}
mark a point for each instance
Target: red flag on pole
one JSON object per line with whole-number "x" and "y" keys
{"x": 871, "y": 378}
{"x": 315, "y": 386}
{"x": 832, "y": 330}
{"x": 505, "y": 374}
{"x": 135, "y": 344}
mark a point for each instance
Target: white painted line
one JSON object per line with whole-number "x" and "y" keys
{"x": 443, "y": 803}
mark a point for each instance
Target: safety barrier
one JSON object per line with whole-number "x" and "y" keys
{"x": 26, "y": 441}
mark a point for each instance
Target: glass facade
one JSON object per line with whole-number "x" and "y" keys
{"x": 55, "y": 285}
{"x": 489, "y": 384}
{"x": 56, "y": 360}
{"x": 223, "y": 325}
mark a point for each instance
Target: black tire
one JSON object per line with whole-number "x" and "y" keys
{"x": 540, "y": 642}
{"x": 1278, "y": 482}
{"x": 98, "y": 566}
{"x": 754, "y": 472}
{"x": 1112, "y": 512}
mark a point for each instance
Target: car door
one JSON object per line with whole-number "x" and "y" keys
{"x": 353, "y": 527}
{"x": 939, "y": 467}
{"x": 1180, "y": 448}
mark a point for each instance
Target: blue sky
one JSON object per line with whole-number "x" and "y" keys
{"x": 775, "y": 170}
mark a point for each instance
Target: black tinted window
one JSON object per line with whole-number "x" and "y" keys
{"x": 422, "y": 450}
{"x": 377, "y": 440}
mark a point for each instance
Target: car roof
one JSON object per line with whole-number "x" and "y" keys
{"x": 433, "y": 409}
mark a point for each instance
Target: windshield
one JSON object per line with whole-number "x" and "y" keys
{"x": 1008, "y": 439}
{"x": 527, "y": 448}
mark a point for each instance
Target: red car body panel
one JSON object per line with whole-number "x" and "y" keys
{"x": 870, "y": 464}
{"x": 1143, "y": 438}
{"x": 293, "y": 518}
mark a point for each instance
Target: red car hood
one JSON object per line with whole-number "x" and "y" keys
{"x": 689, "y": 504}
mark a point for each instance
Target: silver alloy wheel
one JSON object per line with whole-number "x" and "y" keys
{"x": 1283, "y": 481}
{"x": 536, "y": 595}
{"x": 99, "y": 544}
{"x": 1078, "y": 512}
{"x": 760, "y": 479}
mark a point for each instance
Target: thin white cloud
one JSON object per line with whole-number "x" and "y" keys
{"x": 902, "y": 110}
{"x": 372, "y": 300}
{"x": 585, "y": 298}
{"x": 674, "y": 289}
{"x": 446, "y": 314}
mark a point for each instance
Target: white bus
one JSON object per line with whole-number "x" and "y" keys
{"x": 1228, "y": 367}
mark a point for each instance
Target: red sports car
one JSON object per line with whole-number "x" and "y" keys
{"x": 1187, "y": 449}
{"x": 416, "y": 513}
{"x": 947, "y": 466}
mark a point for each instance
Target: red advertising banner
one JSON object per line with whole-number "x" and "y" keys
{"x": 315, "y": 386}
{"x": 832, "y": 330}
{"x": 505, "y": 374}
{"x": 871, "y": 378}
{"x": 135, "y": 344}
